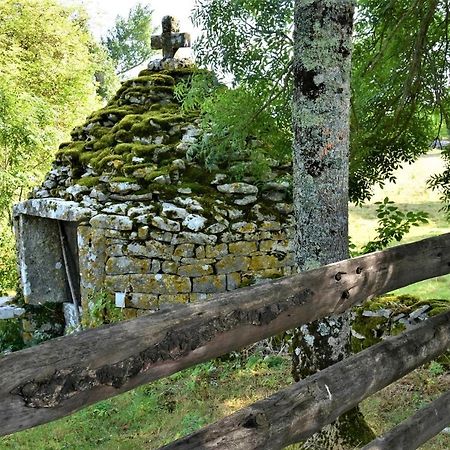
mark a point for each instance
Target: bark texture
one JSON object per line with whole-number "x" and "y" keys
{"x": 321, "y": 103}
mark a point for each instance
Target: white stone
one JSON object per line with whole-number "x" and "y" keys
{"x": 169, "y": 209}
{"x": 120, "y": 223}
{"x": 237, "y": 188}
{"x": 76, "y": 189}
{"x": 123, "y": 187}
{"x": 162, "y": 179}
{"x": 10, "y": 312}
{"x": 165, "y": 224}
{"x": 194, "y": 222}
{"x": 117, "y": 208}
{"x": 184, "y": 191}
{"x": 216, "y": 228}
{"x": 53, "y": 208}
{"x": 189, "y": 203}
{"x": 245, "y": 200}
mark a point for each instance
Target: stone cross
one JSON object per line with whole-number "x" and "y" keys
{"x": 170, "y": 39}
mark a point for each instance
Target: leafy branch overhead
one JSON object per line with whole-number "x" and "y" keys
{"x": 128, "y": 41}
{"x": 400, "y": 87}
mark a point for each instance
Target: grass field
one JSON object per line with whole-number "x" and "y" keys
{"x": 153, "y": 415}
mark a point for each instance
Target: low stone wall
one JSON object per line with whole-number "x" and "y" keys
{"x": 179, "y": 252}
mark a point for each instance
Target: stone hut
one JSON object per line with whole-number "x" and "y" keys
{"x": 125, "y": 211}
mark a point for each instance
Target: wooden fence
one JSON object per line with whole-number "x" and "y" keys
{"x": 58, "y": 377}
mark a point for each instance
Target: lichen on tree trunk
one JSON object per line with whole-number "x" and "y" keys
{"x": 322, "y": 66}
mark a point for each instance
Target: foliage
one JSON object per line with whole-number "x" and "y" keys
{"x": 11, "y": 335}
{"x": 400, "y": 74}
{"x": 101, "y": 310}
{"x": 128, "y": 41}
{"x": 47, "y": 84}
{"x": 237, "y": 134}
{"x": 393, "y": 225}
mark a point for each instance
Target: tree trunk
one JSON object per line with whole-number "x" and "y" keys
{"x": 322, "y": 66}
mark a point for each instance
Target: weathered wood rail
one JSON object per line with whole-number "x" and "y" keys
{"x": 58, "y": 377}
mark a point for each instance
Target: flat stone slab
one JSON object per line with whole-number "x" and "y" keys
{"x": 53, "y": 208}
{"x": 10, "y": 312}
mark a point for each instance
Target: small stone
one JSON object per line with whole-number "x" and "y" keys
{"x": 195, "y": 270}
{"x": 284, "y": 208}
{"x": 174, "y": 298}
{"x": 142, "y": 301}
{"x": 185, "y": 191}
{"x": 219, "y": 178}
{"x": 210, "y": 284}
{"x": 119, "y": 223}
{"x": 163, "y": 236}
{"x": 243, "y": 248}
{"x": 232, "y": 263}
{"x": 237, "y": 188}
{"x": 140, "y": 211}
{"x": 162, "y": 179}
{"x": 75, "y": 190}
{"x": 270, "y": 225}
{"x": 184, "y": 251}
{"x": 245, "y": 200}
{"x": 117, "y": 208}
{"x": 194, "y": 222}
{"x": 233, "y": 281}
{"x": 169, "y": 267}
{"x": 234, "y": 214}
{"x": 125, "y": 265}
{"x": 194, "y": 238}
{"x": 143, "y": 232}
{"x": 178, "y": 164}
{"x": 99, "y": 195}
{"x": 165, "y": 224}
{"x": 216, "y": 228}
{"x": 123, "y": 187}
{"x": 216, "y": 251}
{"x": 189, "y": 203}
{"x": 244, "y": 227}
{"x": 160, "y": 284}
{"x": 172, "y": 211}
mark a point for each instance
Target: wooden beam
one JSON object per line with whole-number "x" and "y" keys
{"x": 296, "y": 413}
{"x": 58, "y": 377}
{"x": 416, "y": 430}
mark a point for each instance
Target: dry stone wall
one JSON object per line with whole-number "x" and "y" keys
{"x": 156, "y": 226}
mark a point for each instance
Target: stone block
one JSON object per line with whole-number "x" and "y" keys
{"x": 194, "y": 222}
{"x": 174, "y": 298}
{"x": 210, "y": 284}
{"x": 123, "y": 265}
{"x": 151, "y": 249}
{"x": 162, "y": 236}
{"x": 194, "y": 238}
{"x": 216, "y": 251}
{"x": 115, "y": 250}
{"x": 142, "y": 301}
{"x": 242, "y": 248}
{"x": 233, "y": 281}
{"x": 200, "y": 252}
{"x": 264, "y": 262}
{"x": 237, "y": 188}
{"x": 117, "y": 283}
{"x": 112, "y": 222}
{"x": 195, "y": 270}
{"x": 170, "y": 267}
{"x": 244, "y": 227}
{"x": 143, "y": 232}
{"x": 166, "y": 224}
{"x": 184, "y": 251}
{"x": 129, "y": 313}
{"x": 270, "y": 225}
{"x": 232, "y": 263}
{"x": 198, "y": 297}
{"x": 160, "y": 284}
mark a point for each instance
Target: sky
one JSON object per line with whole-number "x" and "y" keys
{"x": 104, "y": 12}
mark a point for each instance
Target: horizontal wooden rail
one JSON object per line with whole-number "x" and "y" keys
{"x": 416, "y": 430}
{"x": 296, "y": 413}
{"x": 51, "y": 380}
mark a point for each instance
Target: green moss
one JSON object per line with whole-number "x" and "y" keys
{"x": 86, "y": 157}
{"x": 156, "y": 173}
{"x": 107, "y": 140}
{"x": 88, "y": 181}
{"x": 156, "y": 79}
{"x": 127, "y": 122}
{"x": 71, "y": 149}
{"x": 103, "y": 162}
{"x": 124, "y": 136}
{"x": 123, "y": 180}
{"x": 142, "y": 150}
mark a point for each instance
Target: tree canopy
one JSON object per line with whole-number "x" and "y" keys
{"x": 128, "y": 41}
{"x": 47, "y": 85}
{"x": 399, "y": 79}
